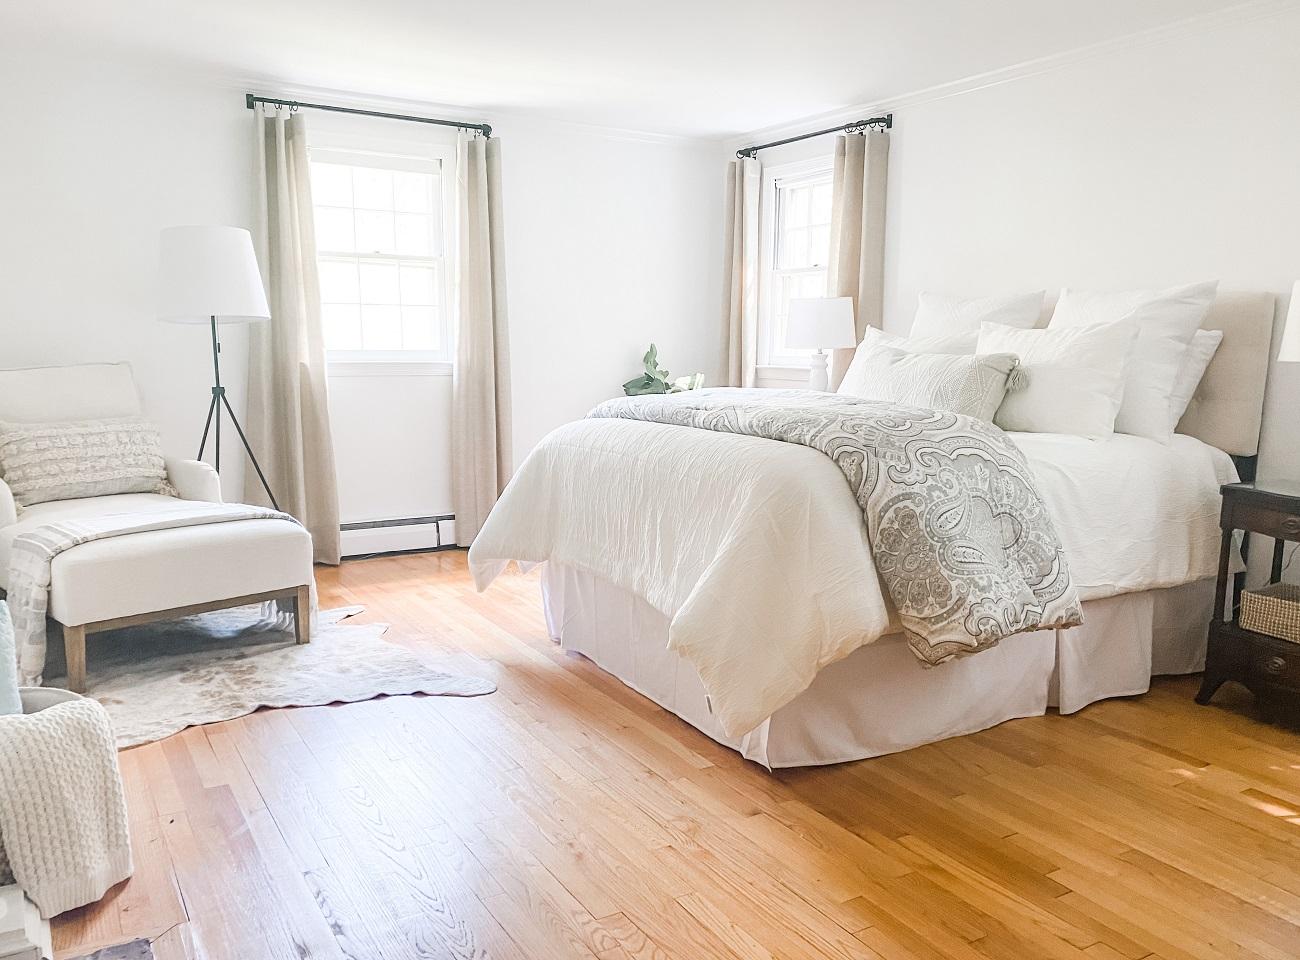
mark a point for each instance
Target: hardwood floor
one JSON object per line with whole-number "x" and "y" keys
{"x": 565, "y": 816}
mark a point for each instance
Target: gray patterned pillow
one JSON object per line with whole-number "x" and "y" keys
{"x": 969, "y": 385}
{"x": 82, "y": 458}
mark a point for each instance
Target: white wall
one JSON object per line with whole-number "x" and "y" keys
{"x": 98, "y": 156}
{"x": 1151, "y": 165}
{"x": 611, "y": 242}
{"x": 1155, "y": 165}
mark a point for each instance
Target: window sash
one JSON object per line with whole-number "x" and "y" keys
{"x": 405, "y": 321}
{"x": 775, "y": 280}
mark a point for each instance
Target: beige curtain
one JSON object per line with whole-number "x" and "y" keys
{"x": 857, "y": 257}
{"x": 740, "y": 311}
{"x": 480, "y": 417}
{"x": 288, "y": 408}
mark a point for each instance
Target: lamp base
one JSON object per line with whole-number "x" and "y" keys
{"x": 818, "y": 376}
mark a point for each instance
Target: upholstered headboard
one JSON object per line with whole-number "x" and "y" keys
{"x": 1229, "y": 404}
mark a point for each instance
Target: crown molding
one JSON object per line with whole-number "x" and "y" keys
{"x": 1179, "y": 29}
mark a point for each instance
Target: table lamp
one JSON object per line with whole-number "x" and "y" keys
{"x": 209, "y": 275}
{"x": 820, "y": 323}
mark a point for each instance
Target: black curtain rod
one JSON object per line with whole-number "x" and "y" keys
{"x": 857, "y": 126}
{"x": 482, "y": 128}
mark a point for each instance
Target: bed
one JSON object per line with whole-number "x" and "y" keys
{"x": 693, "y": 566}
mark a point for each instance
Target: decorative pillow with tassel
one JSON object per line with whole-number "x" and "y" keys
{"x": 970, "y": 385}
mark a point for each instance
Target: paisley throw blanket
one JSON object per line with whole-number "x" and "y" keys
{"x": 961, "y": 538}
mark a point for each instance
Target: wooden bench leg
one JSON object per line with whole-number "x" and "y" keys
{"x": 302, "y": 615}
{"x": 74, "y": 652}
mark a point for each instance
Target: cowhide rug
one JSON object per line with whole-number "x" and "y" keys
{"x": 163, "y": 677}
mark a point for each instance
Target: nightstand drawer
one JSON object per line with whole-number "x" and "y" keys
{"x": 1265, "y": 520}
{"x": 1280, "y": 668}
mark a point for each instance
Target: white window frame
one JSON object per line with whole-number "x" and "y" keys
{"x": 776, "y": 361}
{"x": 401, "y": 155}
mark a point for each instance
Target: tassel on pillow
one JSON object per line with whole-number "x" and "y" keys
{"x": 1017, "y": 379}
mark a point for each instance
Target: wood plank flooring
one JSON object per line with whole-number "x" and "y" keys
{"x": 565, "y": 816}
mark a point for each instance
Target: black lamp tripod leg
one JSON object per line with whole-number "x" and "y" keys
{"x": 244, "y": 440}
{"x": 212, "y": 410}
{"x": 214, "y": 416}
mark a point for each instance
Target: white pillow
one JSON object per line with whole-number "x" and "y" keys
{"x": 1195, "y": 362}
{"x": 940, "y": 316}
{"x": 68, "y": 460}
{"x": 1166, "y": 321}
{"x": 961, "y": 343}
{"x": 1075, "y": 377}
{"x": 970, "y": 385}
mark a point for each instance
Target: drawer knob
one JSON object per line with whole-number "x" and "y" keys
{"x": 1272, "y": 666}
{"x": 1291, "y": 525}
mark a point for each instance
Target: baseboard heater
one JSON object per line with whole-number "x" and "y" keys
{"x": 434, "y": 521}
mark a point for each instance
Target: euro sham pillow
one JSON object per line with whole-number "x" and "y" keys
{"x": 82, "y": 458}
{"x": 1166, "y": 322}
{"x": 940, "y": 316}
{"x": 970, "y": 385}
{"x": 1074, "y": 377}
{"x": 956, "y": 344}
{"x": 1195, "y": 362}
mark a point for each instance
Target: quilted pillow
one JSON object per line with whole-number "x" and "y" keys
{"x": 82, "y": 458}
{"x": 970, "y": 385}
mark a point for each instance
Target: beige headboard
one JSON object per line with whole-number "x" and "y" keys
{"x": 1229, "y": 403}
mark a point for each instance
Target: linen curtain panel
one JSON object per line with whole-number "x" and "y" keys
{"x": 288, "y": 406}
{"x": 480, "y": 420}
{"x": 857, "y": 255}
{"x": 740, "y": 311}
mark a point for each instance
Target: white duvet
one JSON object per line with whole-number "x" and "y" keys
{"x": 756, "y": 550}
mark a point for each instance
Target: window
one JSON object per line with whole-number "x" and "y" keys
{"x": 382, "y": 245}
{"x": 795, "y": 252}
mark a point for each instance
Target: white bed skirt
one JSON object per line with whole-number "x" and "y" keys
{"x": 879, "y": 699}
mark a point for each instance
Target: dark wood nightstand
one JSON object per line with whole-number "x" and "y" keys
{"x": 1269, "y": 667}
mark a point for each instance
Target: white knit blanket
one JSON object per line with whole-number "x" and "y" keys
{"x": 63, "y": 824}
{"x": 33, "y": 553}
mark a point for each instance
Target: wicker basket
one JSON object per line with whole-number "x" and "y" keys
{"x": 1274, "y": 611}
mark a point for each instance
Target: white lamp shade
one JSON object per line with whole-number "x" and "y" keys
{"x": 209, "y": 272}
{"x": 817, "y": 323}
{"x": 1290, "y": 349}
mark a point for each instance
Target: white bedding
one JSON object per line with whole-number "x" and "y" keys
{"x": 756, "y": 550}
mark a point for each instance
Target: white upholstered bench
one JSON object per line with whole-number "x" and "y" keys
{"x": 155, "y": 575}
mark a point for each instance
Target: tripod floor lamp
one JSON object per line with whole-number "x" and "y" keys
{"x": 209, "y": 275}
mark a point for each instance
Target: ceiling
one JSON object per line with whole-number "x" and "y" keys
{"x": 691, "y": 67}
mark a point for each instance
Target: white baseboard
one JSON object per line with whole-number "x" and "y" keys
{"x": 422, "y": 536}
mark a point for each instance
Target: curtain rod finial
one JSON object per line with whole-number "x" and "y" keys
{"x": 248, "y": 101}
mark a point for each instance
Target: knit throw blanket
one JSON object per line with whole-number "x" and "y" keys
{"x": 33, "y": 553}
{"x": 960, "y": 536}
{"x": 63, "y": 824}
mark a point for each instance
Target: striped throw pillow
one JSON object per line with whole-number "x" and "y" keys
{"x": 82, "y": 458}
